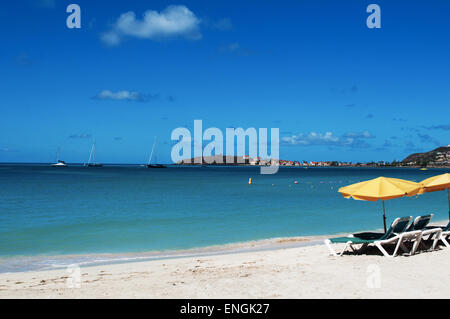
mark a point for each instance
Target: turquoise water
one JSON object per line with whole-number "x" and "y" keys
{"x": 47, "y": 211}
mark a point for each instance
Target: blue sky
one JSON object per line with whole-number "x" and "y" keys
{"x": 336, "y": 89}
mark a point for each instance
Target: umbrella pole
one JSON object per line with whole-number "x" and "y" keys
{"x": 384, "y": 217}
{"x": 448, "y": 194}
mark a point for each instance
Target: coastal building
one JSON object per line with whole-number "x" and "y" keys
{"x": 254, "y": 161}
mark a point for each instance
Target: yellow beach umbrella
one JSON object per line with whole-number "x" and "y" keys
{"x": 381, "y": 188}
{"x": 437, "y": 183}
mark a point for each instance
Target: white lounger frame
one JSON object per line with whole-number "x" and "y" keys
{"x": 415, "y": 236}
{"x": 438, "y": 234}
{"x": 443, "y": 236}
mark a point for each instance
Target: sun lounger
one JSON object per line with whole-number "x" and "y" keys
{"x": 445, "y": 234}
{"x": 396, "y": 234}
{"x": 440, "y": 233}
{"x": 420, "y": 223}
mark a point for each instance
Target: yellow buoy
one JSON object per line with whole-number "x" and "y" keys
{"x": 250, "y": 181}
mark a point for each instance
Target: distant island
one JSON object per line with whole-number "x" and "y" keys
{"x": 439, "y": 157}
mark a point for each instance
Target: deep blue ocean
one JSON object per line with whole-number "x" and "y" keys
{"x": 46, "y": 211}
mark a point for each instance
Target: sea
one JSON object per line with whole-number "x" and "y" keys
{"x": 56, "y": 217}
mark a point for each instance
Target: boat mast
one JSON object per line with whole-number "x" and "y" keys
{"x": 92, "y": 154}
{"x": 151, "y": 154}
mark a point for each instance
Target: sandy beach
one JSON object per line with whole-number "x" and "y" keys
{"x": 300, "y": 272}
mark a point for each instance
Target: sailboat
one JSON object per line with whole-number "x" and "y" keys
{"x": 150, "y": 158}
{"x": 59, "y": 163}
{"x": 203, "y": 161}
{"x": 92, "y": 156}
{"x": 203, "y": 165}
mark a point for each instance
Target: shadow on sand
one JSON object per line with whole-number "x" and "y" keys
{"x": 424, "y": 247}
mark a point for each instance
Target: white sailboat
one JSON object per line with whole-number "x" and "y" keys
{"x": 149, "y": 165}
{"x": 92, "y": 157}
{"x": 59, "y": 163}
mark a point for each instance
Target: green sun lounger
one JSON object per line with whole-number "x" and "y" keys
{"x": 396, "y": 234}
{"x": 441, "y": 233}
{"x": 445, "y": 235}
{"x": 421, "y": 223}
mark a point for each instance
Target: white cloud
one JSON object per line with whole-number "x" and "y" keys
{"x": 312, "y": 138}
{"x": 7, "y": 150}
{"x": 111, "y": 38}
{"x": 174, "y": 21}
{"x": 233, "y": 47}
{"x": 365, "y": 134}
{"x": 328, "y": 139}
{"x": 223, "y": 24}
{"x": 46, "y": 3}
{"x": 124, "y": 96}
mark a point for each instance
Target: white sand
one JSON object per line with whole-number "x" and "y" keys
{"x": 304, "y": 272}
